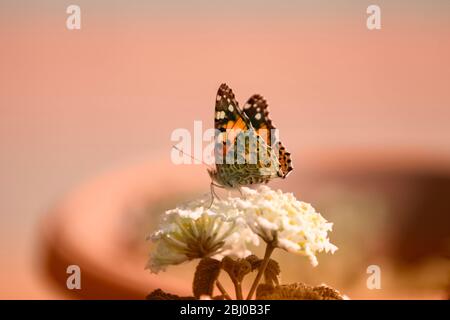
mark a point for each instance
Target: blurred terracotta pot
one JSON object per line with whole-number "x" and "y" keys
{"x": 89, "y": 228}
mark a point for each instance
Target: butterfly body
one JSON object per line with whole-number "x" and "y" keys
{"x": 247, "y": 152}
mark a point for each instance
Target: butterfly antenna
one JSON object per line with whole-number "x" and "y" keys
{"x": 192, "y": 157}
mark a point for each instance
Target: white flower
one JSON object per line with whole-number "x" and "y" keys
{"x": 279, "y": 218}
{"x": 196, "y": 230}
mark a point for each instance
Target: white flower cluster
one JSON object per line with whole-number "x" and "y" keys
{"x": 197, "y": 230}
{"x": 280, "y": 219}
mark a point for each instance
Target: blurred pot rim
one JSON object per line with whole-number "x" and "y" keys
{"x": 85, "y": 227}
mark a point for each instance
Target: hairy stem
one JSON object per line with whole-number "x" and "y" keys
{"x": 222, "y": 290}
{"x": 262, "y": 268}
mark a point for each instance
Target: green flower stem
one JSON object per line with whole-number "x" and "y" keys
{"x": 262, "y": 269}
{"x": 238, "y": 287}
{"x": 222, "y": 290}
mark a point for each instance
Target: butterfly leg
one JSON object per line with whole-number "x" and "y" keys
{"x": 213, "y": 193}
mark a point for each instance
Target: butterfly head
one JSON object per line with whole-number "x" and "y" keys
{"x": 212, "y": 173}
{"x": 215, "y": 176}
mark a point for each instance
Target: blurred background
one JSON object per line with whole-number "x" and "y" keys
{"x": 86, "y": 117}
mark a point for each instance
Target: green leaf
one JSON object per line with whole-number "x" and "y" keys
{"x": 236, "y": 269}
{"x": 205, "y": 277}
{"x": 272, "y": 271}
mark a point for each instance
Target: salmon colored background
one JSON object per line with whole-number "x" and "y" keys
{"x": 76, "y": 103}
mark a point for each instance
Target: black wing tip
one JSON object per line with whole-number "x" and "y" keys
{"x": 256, "y": 98}
{"x": 224, "y": 87}
{"x": 225, "y": 90}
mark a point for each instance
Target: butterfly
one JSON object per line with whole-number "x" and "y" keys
{"x": 243, "y": 166}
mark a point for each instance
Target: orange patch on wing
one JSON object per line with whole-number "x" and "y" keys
{"x": 230, "y": 124}
{"x": 233, "y": 128}
{"x": 240, "y": 124}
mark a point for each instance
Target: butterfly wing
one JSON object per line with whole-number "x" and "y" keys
{"x": 285, "y": 161}
{"x": 229, "y": 120}
{"x": 228, "y": 114}
{"x": 257, "y": 111}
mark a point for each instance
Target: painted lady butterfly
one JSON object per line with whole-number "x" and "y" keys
{"x": 231, "y": 123}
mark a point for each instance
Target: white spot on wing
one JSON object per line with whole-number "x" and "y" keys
{"x": 230, "y": 108}
{"x": 258, "y": 116}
